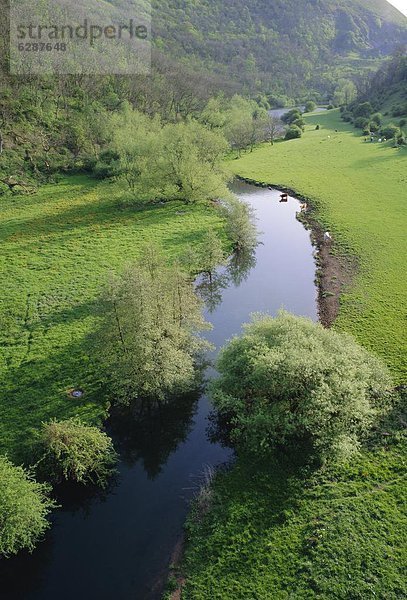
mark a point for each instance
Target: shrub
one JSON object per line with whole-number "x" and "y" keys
{"x": 310, "y": 106}
{"x": 291, "y": 116}
{"x": 364, "y": 109}
{"x": 377, "y": 118}
{"x": 401, "y": 140}
{"x": 299, "y": 123}
{"x": 390, "y": 131}
{"x": 373, "y": 127}
{"x": 288, "y": 381}
{"x": 293, "y": 132}
{"x": 331, "y": 107}
{"x": 402, "y": 122}
{"x": 24, "y": 506}
{"x": 70, "y": 450}
{"x": 361, "y": 122}
{"x": 347, "y": 116}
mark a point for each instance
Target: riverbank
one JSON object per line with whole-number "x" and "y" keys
{"x": 335, "y": 271}
{"x": 357, "y": 191}
{"x": 58, "y": 247}
{"x": 276, "y": 529}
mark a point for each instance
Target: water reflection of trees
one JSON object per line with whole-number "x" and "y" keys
{"x": 210, "y": 288}
{"x": 151, "y": 435}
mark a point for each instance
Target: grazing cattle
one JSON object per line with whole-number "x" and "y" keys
{"x": 327, "y": 237}
{"x": 284, "y": 198}
{"x": 303, "y": 207}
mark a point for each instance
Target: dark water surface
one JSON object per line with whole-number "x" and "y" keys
{"x": 117, "y": 545}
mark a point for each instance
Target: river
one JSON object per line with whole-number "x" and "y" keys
{"x": 116, "y": 545}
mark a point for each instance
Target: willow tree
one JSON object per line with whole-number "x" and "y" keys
{"x": 288, "y": 381}
{"x": 149, "y": 341}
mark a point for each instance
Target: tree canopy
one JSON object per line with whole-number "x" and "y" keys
{"x": 287, "y": 380}
{"x": 24, "y": 507}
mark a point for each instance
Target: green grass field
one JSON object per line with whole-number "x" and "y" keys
{"x": 359, "y": 190}
{"x": 276, "y": 532}
{"x": 57, "y": 248}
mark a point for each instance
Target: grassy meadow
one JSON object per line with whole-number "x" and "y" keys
{"x": 57, "y": 249}
{"x": 359, "y": 190}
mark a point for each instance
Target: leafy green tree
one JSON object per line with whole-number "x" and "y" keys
{"x": 310, "y": 106}
{"x": 71, "y": 450}
{"x": 149, "y": 339}
{"x": 345, "y": 92}
{"x": 189, "y": 162}
{"x": 288, "y": 380}
{"x": 377, "y": 118}
{"x": 24, "y": 507}
{"x": 364, "y": 109}
{"x": 240, "y": 226}
{"x": 293, "y": 132}
{"x": 292, "y": 115}
{"x": 390, "y": 131}
{"x": 361, "y": 122}
{"x": 211, "y": 254}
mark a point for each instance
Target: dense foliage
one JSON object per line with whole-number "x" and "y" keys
{"x": 24, "y": 506}
{"x": 285, "y": 46}
{"x": 72, "y": 450}
{"x": 288, "y": 381}
{"x": 149, "y": 340}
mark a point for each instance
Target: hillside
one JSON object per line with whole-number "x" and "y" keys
{"x": 284, "y": 45}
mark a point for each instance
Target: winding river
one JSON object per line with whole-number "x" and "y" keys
{"x": 117, "y": 544}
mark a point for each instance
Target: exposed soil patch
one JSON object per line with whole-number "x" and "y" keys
{"x": 335, "y": 271}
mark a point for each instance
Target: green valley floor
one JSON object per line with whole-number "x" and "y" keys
{"x": 57, "y": 249}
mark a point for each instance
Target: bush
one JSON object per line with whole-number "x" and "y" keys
{"x": 373, "y": 127}
{"x": 70, "y": 450}
{"x": 310, "y": 106}
{"x": 299, "y": 123}
{"x": 364, "y": 109}
{"x": 361, "y": 122}
{"x": 288, "y": 381}
{"x": 293, "y": 132}
{"x": 389, "y": 131}
{"x": 402, "y": 123}
{"x": 401, "y": 140}
{"x": 377, "y": 118}
{"x": 291, "y": 116}
{"x": 24, "y": 506}
{"x": 347, "y": 116}
{"x": 331, "y": 107}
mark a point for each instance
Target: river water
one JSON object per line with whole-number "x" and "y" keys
{"x": 117, "y": 545}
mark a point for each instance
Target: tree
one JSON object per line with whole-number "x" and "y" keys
{"x": 310, "y": 106}
{"x": 288, "y": 381}
{"x": 71, "y": 450}
{"x": 292, "y": 115}
{"x": 293, "y": 132}
{"x": 273, "y": 128}
{"x": 345, "y": 92}
{"x": 211, "y": 254}
{"x": 390, "y": 131}
{"x": 24, "y": 507}
{"x": 149, "y": 339}
{"x": 364, "y": 109}
{"x": 240, "y": 227}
